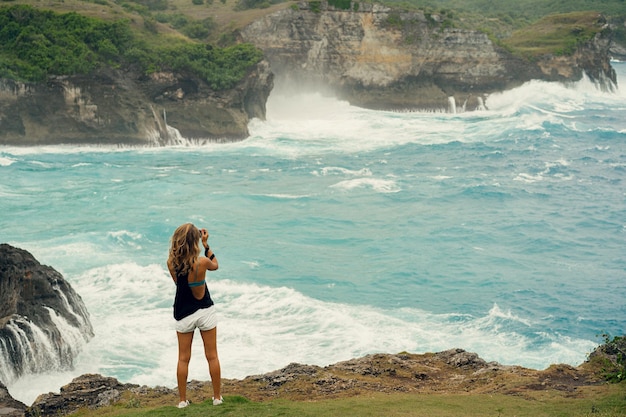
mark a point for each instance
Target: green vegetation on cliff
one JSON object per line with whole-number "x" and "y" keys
{"x": 556, "y": 34}
{"x": 38, "y": 43}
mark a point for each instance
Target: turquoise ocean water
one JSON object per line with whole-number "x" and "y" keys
{"x": 342, "y": 232}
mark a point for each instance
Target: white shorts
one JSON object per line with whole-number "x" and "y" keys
{"x": 203, "y": 319}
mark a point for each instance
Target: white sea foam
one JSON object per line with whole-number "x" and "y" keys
{"x": 6, "y": 161}
{"x": 528, "y": 178}
{"x": 552, "y": 170}
{"x": 286, "y": 196}
{"x": 321, "y": 124}
{"x": 378, "y": 185}
{"x": 125, "y": 237}
{"x": 343, "y": 171}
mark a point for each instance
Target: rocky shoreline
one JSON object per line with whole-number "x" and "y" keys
{"x": 452, "y": 371}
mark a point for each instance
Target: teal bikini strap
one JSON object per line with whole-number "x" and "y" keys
{"x": 196, "y": 283}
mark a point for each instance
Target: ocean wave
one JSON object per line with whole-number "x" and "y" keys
{"x": 7, "y": 161}
{"x": 298, "y": 327}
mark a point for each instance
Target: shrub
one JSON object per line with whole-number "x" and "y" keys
{"x": 150, "y": 24}
{"x": 615, "y": 349}
{"x": 221, "y": 68}
{"x": 316, "y": 6}
{"x": 178, "y": 20}
{"x": 36, "y": 43}
{"x": 195, "y": 30}
{"x": 153, "y": 4}
{"x": 341, "y": 4}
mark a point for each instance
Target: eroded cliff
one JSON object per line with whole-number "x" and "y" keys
{"x": 126, "y": 107}
{"x": 380, "y": 58}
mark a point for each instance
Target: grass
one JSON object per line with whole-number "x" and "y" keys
{"x": 555, "y": 34}
{"x": 608, "y": 401}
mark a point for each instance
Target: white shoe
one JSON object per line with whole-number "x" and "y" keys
{"x": 218, "y": 401}
{"x": 183, "y": 404}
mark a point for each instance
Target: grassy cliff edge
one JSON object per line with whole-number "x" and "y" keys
{"x": 448, "y": 383}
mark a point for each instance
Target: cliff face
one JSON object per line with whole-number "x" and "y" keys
{"x": 123, "y": 107}
{"x": 384, "y": 59}
{"x": 43, "y": 321}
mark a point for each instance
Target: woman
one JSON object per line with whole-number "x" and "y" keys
{"x": 193, "y": 306}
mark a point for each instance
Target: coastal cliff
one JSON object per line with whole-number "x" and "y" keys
{"x": 380, "y": 58}
{"x": 128, "y": 107}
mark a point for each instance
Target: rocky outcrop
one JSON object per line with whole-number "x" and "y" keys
{"x": 380, "y": 58}
{"x": 10, "y": 407}
{"x": 43, "y": 322}
{"x": 591, "y": 59}
{"x": 618, "y": 47}
{"x": 88, "y": 391}
{"x": 125, "y": 107}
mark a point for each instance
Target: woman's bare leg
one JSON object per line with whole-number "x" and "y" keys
{"x": 209, "y": 337}
{"x": 184, "y": 355}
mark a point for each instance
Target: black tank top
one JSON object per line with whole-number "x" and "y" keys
{"x": 185, "y": 304}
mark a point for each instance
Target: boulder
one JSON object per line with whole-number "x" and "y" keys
{"x": 43, "y": 322}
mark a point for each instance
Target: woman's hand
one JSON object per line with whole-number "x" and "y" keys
{"x": 204, "y": 235}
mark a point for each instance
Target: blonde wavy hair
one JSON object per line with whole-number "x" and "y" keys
{"x": 184, "y": 248}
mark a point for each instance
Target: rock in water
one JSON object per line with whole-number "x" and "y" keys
{"x": 43, "y": 322}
